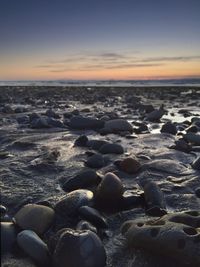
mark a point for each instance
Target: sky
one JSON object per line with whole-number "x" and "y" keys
{"x": 99, "y": 39}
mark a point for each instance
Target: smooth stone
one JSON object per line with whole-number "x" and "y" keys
{"x": 96, "y": 161}
{"x": 51, "y": 113}
{"x": 83, "y": 180}
{"x": 109, "y": 192}
{"x": 111, "y": 149}
{"x": 96, "y": 144}
{"x": 130, "y": 201}
{"x": 169, "y": 127}
{"x": 196, "y": 164}
{"x": 69, "y": 204}
{"x": 83, "y": 123}
{"x": 93, "y": 216}
{"x": 85, "y": 225}
{"x": 54, "y": 122}
{"x": 182, "y": 145}
{"x": 192, "y": 128}
{"x": 33, "y": 246}
{"x": 79, "y": 249}
{"x": 8, "y": 237}
{"x": 192, "y": 138}
{"x": 118, "y": 125}
{"x": 23, "y": 119}
{"x": 81, "y": 141}
{"x": 37, "y": 218}
{"x": 154, "y": 199}
{"x": 39, "y": 123}
{"x": 130, "y": 165}
{"x": 155, "y": 115}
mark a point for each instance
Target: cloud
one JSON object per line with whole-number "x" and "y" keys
{"x": 110, "y": 60}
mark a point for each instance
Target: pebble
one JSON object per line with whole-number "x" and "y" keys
{"x": 83, "y": 123}
{"x": 79, "y": 249}
{"x": 169, "y": 127}
{"x": 33, "y": 246}
{"x": 69, "y": 204}
{"x": 83, "y": 180}
{"x": 92, "y": 215}
{"x": 109, "y": 192}
{"x": 155, "y": 115}
{"x": 3, "y": 210}
{"x": 111, "y": 149}
{"x": 81, "y": 141}
{"x": 118, "y": 125}
{"x": 96, "y": 161}
{"x": 130, "y": 165}
{"x": 37, "y": 218}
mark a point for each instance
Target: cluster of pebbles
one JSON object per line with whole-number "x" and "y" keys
{"x": 129, "y": 193}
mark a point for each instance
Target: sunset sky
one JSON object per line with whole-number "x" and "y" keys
{"x": 99, "y": 39}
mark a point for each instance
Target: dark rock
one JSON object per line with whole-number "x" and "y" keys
{"x": 96, "y": 161}
{"x": 84, "y": 180}
{"x": 79, "y": 249}
{"x": 111, "y": 149}
{"x": 129, "y": 165}
{"x": 154, "y": 199}
{"x": 117, "y": 125}
{"x": 83, "y": 123}
{"x": 81, "y": 141}
{"x": 2, "y": 210}
{"x": 169, "y": 127}
{"x": 156, "y": 115}
{"x": 197, "y": 192}
{"x": 96, "y": 144}
{"x": 196, "y": 164}
{"x": 92, "y": 215}
{"x": 33, "y": 246}
{"x": 69, "y": 204}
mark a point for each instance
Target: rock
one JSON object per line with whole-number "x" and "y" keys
{"x": 154, "y": 199}
{"x": 96, "y": 144}
{"x": 8, "y": 237}
{"x": 173, "y": 240}
{"x": 79, "y": 249}
{"x": 37, "y": 218}
{"x": 169, "y": 127}
{"x": 192, "y": 128}
{"x": 118, "y": 125}
{"x": 111, "y": 149}
{"x": 93, "y": 216}
{"x": 69, "y": 204}
{"x": 23, "y": 119}
{"x": 2, "y": 210}
{"x": 130, "y": 200}
{"x": 192, "y": 138}
{"x": 196, "y": 164}
{"x": 81, "y": 141}
{"x": 51, "y": 113}
{"x": 85, "y": 225}
{"x": 155, "y": 115}
{"x": 96, "y": 161}
{"x": 39, "y": 123}
{"x": 33, "y": 246}
{"x": 182, "y": 145}
{"x": 109, "y": 192}
{"x": 143, "y": 128}
{"x": 83, "y": 179}
{"x": 20, "y": 109}
{"x": 54, "y": 122}
{"x": 129, "y": 165}
{"x": 83, "y": 123}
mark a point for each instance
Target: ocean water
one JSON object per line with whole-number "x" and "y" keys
{"x": 110, "y": 83}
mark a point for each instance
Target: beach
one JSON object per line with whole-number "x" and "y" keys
{"x": 146, "y": 137}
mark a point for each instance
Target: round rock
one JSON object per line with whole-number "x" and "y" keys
{"x": 93, "y": 216}
{"x": 37, "y": 218}
{"x": 8, "y": 237}
{"x": 111, "y": 149}
{"x": 130, "y": 165}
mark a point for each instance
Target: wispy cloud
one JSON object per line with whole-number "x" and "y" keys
{"x": 110, "y": 60}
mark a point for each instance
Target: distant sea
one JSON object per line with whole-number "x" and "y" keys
{"x": 110, "y": 83}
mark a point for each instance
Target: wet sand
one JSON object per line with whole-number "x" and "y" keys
{"x": 35, "y": 162}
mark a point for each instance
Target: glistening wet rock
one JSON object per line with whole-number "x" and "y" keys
{"x": 93, "y": 216}
{"x": 8, "y": 237}
{"x": 69, "y": 204}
